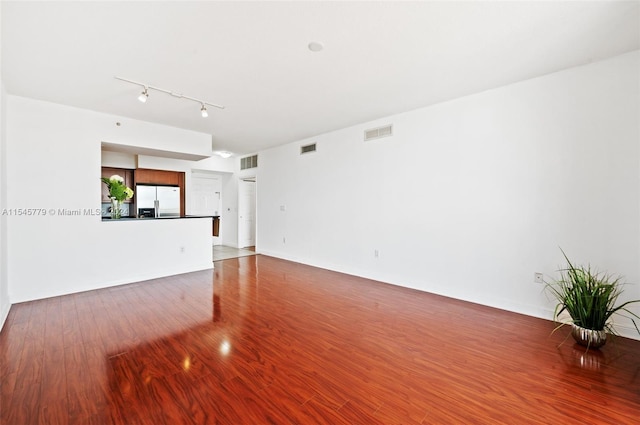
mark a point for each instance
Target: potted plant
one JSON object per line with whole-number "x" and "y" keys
{"x": 590, "y": 298}
{"x": 118, "y": 192}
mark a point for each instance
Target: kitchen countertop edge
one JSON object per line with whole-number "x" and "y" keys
{"x": 105, "y": 219}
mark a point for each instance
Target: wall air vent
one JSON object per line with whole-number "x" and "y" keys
{"x": 249, "y": 162}
{"x": 307, "y": 148}
{"x": 379, "y": 132}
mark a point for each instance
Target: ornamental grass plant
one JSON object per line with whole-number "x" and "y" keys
{"x": 590, "y": 297}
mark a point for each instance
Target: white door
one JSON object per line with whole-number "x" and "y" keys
{"x": 205, "y": 197}
{"x": 247, "y": 213}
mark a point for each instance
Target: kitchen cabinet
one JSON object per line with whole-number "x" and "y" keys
{"x": 148, "y": 176}
{"x": 126, "y": 174}
{"x": 159, "y": 177}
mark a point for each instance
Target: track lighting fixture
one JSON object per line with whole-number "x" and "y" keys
{"x": 145, "y": 95}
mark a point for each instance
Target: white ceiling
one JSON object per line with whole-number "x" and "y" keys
{"x": 380, "y": 58}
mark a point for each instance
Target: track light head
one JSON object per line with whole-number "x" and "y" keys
{"x": 144, "y": 96}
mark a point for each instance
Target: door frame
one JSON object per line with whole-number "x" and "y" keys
{"x": 241, "y": 182}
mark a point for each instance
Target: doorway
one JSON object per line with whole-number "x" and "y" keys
{"x": 247, "y": 212}
{"x": 205, "y": 197}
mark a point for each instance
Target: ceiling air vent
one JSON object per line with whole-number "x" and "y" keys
{"x": 377, "y": 133}
{"x": 249, "y": 162}
{"x": 308, "y": 148}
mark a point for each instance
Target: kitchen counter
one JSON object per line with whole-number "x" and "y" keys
{"x": 155, "y": 248}
{"x": 159, "y": 218}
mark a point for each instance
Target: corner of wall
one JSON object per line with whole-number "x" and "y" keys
{"x": 5, "y": 302}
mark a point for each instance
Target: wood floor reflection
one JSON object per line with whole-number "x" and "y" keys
{"x": 265, "y": 341}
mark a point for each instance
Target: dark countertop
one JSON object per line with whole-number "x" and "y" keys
{"x": 159, "y": 218}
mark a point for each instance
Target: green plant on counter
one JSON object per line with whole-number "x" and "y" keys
{"x": 589, "y": 297}
{"x": 117, "y": 189}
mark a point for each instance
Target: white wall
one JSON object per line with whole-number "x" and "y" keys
{"x": 5, "y": 302}
{"x": 55, "y": 159}
{"x": 205, "y": 195}
{"x": 229, "y": 230}
{"x": 228, "y": 168}
{"x": 119, "y": 159}
{"x": 229, "y": 214}
{"x": 470, "y": 197}
{"x": 216, "y": 163}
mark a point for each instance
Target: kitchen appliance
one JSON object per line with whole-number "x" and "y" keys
{"x": 163, "y": 200}
{"x": 146, "y": 212}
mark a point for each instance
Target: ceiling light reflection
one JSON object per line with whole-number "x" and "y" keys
{"x": 225, "y": 348}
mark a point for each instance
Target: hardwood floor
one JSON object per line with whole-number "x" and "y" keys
{"x": 221, "y": 252}
{"x": 265, "y": 341}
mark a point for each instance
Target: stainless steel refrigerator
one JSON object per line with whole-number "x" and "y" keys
{"x": 165, "y": 200}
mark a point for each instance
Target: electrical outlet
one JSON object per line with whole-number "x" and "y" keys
{"x": 538, "y": 277}
{"x": 284, "y": 240}
{"x": 376, "y": 253}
